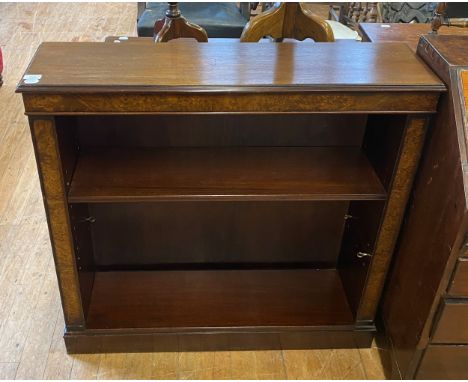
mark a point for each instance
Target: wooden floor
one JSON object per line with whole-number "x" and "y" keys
{"x": 31, "y": 321}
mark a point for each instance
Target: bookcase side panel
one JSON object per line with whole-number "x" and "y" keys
{"x": 53, "y": 189}
{"x": 398, "y": 193}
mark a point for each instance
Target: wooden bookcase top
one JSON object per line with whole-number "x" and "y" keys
{"x": 88, "y": 67}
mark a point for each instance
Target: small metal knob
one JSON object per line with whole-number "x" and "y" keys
{"x": 90, "y": 219}
{"x": 360, "y": 255}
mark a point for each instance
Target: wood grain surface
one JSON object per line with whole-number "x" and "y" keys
{"x": 238, "y": 235}
{"x": 31, "y": 320}
{"x": 452, "y": 48}
{"x": 464, "y": 79}
{"x": 83, "y": 67}
{"x": 269, "y": 102}
{"x": 443, "y": 53}
{"x": 405, "y": 170}
{"x": 269, "y": 298}
{"x": 401, "y": 32}
{"x": 432, "y": 238}
{"x": 221, "y": 130}
{"x": 53, "y": 186}
{"x": 450, "y": 325}
{"x": 443, "y": 362}
{"x": 233, "y": 173}
{"x": 315, "y": 173}
{"x": 458, "y": 286}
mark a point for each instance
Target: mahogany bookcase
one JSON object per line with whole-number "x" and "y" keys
{"x": 195, "y": 203}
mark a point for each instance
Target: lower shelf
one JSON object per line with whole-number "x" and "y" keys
{"x": 218, "y": 299}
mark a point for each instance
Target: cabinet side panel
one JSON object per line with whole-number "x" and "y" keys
{"x": 410, "y": 150}
{"x": 381, "y": 144}
{"x": 428, "y": 238}
{"x": 53, "y": 189}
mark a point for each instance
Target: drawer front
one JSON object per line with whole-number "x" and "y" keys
{"x": 452, "y": 326}
{"x": 444, "y": 362}
{"x": 459, "y": 284}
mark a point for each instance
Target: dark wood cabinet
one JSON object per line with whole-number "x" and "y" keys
{"x": 444, "y": 362}
{"x": 458, "y": 286}
{"x": 450, "y": 326}
{"x": 425, "y": 305}
{"x": 196, "y": 204}
{"x": 408, "y": 33}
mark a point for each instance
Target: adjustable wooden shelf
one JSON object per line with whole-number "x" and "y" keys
{"x": 195, "y": 203}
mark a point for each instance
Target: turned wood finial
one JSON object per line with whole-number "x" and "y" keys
{"x": 287, "y": 20}
{"x": 173, "y": 10}
{"x": 440, "y": 19}
{"x": 174, "y": 26}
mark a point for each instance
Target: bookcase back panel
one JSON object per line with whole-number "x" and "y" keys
{"x": 245, "y": 234}
{"x": 198, "y": 130}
